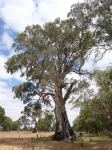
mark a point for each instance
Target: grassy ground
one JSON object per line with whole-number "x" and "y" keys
{"x": 29, "y": 141}
{"x": 93, "y": 143}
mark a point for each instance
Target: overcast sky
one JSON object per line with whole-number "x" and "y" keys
{"x": 15, "y": 15}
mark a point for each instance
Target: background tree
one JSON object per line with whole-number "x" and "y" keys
{"x": 16, "y": 125}
{"x": 7, "y": 124}
{"x": 46, "y": 55}
{"x": 47, "y": 122}
{"x": 91, "y": 118}
{"x": 96, "y": 113}
{"x": 32, "y": 113}
{"x": 2, "y": 114}
{"x": 104, "y": 81}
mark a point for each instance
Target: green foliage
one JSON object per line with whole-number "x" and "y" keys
{"x": 90, "y": 119}
{"x": 45, "y": 55}
{"x": 41, "y": 120}
{"x": 103, "y": 9}
{"x": 96, "y": 114}
{"x": 104, "y": 80}
{"x": 16, "y": 125}
{"x": 31, "y": 114}
{"x": 2, "y": 114}
{"x": 7, "y": 124}
{"x": 46, "y": 123}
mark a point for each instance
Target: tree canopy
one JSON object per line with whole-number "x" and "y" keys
{"x": 45, "y": 55}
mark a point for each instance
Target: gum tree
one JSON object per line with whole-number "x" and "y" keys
{"x": 32, "y": 112}
{"x": 46, "y": 55}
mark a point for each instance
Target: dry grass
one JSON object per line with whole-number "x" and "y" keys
{"x": 29, "y": 141}
{"x": 19, "y": 140}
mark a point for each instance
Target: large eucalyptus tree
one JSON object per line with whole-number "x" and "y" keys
{"x": 46, "y": 55}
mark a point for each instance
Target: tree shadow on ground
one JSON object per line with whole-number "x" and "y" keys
{"x": 48, "y": 144}
{"x": 44, "y": 143}
{"x": 16, "y": 142}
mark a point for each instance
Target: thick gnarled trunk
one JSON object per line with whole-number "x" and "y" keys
{"x": 63, "y": 129}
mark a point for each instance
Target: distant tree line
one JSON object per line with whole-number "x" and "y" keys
{"x": 32, "y": 119}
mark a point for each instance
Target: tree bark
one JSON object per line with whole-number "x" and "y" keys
{"x": 63, "y": 130}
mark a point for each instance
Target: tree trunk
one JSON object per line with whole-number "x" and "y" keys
{"x": 63, "y": 129}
